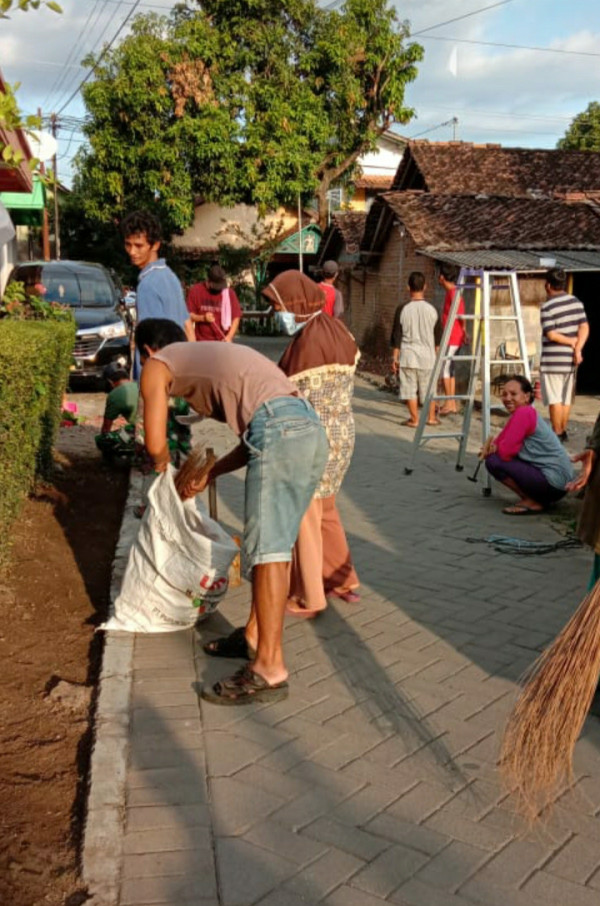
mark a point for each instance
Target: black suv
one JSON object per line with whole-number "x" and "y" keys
{"x": 88, "y": 289}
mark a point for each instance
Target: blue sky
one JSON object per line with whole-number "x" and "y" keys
{"x": 513, "y": 96}
{"x": 503, "y": 95}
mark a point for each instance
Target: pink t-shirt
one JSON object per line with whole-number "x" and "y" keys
{"x": 520, "y": 425}
{"x": 224, "y": 381}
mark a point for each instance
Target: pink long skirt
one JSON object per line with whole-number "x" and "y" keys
{"x": 321, "y": 561}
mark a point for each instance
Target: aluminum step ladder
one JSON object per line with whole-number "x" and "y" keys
{"x": 483, "y": 283}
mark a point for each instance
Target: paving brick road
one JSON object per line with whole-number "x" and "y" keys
{"x": 375, "y": 782}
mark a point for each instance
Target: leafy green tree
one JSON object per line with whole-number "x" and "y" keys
{"x": 24, "y": 5}
{"x": 584, "y": 132}
{"x": 241, "y": 102}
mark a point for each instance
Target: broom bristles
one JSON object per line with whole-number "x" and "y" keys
{"x": 539, "y": 740}
{"x": 195, "y": 467}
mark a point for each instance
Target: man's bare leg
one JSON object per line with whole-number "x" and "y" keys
{"x": 449, "y": 407}
{"x": 270, "y": 583}
{"x": 413, "y": 411}
{"x": 559, "y": 417}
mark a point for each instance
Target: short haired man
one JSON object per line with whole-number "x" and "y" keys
{"x": 284, "y": 447}
{"x": 214, "y": 307}
{"x": 121, "y": 402}
{"x": 334, "y": 301}
{"x": 159, "y": 292}
{"x": 564, "y": 333}
{"x": 122, "y": 399}
{"x": 414, "y": 339}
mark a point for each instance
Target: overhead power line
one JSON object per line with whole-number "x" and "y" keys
{"x": 452, "y": 122}
{"x": 574, "y": 53}
{"x": 61, "y": 78}
{"x": 67, "y": 87}
{"x": 101, "y": 57}
{"x": 475, "y": 12}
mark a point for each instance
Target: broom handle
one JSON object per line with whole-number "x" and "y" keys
{"x": 212, "y": 490}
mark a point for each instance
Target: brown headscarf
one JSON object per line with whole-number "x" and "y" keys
{"x": 298, "y": 293}
{"x": 323, "y": 341}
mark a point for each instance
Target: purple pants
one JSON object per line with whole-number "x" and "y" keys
{"x": 529, "y": 478}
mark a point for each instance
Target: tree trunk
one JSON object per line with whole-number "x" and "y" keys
{"x": 328, "y": 175}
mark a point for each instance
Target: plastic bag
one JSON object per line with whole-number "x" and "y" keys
{"x": 178, "y": 569}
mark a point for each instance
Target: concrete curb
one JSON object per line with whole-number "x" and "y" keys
{"x": 103, "y": 837}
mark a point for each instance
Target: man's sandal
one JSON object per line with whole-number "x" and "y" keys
{"x": 245, "y": 687}
{"x": 233, "y": 645}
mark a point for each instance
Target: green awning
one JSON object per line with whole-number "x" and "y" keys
{"x": 310, "y": 236}
{"x": 25, "y": 207}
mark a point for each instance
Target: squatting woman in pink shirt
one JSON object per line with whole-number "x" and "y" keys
{"x": 527, "y": 456}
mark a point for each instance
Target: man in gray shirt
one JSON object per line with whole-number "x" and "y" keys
{"x": 414, "y": 340}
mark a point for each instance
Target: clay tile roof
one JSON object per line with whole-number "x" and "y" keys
{"x": 479, "y": 222}
{"x": 374, "y": 181}
{"x": 460, "y": 168}
{"x": 351, "y": 226}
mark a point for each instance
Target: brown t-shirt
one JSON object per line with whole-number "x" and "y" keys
{"x": 224, "y": 381}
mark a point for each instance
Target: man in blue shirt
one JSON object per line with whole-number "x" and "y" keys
{"x": 159, "y": 292}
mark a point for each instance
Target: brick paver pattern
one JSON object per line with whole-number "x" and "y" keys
{"x": 376, "y": 781}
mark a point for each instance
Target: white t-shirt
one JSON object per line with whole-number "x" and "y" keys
{"x": 418, "y": 320}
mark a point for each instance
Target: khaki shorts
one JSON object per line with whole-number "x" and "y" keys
{"x": 414, "y": 383}
{"x": 557, "y": 388}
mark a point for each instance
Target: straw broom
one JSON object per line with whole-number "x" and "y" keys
{"x": 199, "y": 462}
{"x": 539, "y": 740}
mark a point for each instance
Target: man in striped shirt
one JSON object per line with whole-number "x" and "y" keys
{"x": 564, "y": 332}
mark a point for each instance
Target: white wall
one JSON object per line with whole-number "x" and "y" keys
{"x": 8, "y": 258}
{"x": 384, "y": 161}
{"x": 211, "y": 218}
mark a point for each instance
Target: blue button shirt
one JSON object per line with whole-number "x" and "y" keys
{"x": 159, "y": 295}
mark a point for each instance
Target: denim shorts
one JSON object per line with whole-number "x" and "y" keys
{"x": 288, "y": 452}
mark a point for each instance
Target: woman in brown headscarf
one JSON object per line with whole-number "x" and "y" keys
{"x": 321, "y": 360}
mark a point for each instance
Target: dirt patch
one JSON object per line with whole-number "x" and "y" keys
{"x": 54, "y": 594}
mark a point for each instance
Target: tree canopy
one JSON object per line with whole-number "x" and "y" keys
{"x": 584, "y": 132}
{"x": 25, "y": 5}
{"x": 239, "y": 101}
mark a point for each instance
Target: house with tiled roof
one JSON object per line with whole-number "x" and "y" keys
{"x": 481, "y": 206}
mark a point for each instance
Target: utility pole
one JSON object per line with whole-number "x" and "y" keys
{"x": 45, "y": 227}
{"x": 56, "y": 210}
{"x": 454, "y": 122}
{"x": 300, "y": 249}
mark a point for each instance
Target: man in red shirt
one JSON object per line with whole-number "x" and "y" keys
{"x": 334, "y": 303}
{"x": 458, "y": 336}
{"x": 214, "y": 308}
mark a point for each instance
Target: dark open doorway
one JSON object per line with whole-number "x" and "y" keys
{"x": 586, "y": 286}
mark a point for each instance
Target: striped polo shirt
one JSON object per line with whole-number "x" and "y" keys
{"x": 564, "y": 314}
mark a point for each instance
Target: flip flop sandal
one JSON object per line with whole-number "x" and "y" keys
{"x": 520, "y": 510}
{"x": 302, "y": 613}
{"x": 233, "y": 645}
{"x": 350, "y": 597}
{"x": 245, "y": 687}
{"x": 409, "y": 424}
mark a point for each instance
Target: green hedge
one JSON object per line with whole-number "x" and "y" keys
{"x": 34, "y": 368}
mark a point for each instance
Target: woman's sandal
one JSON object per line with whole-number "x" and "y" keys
{"x": 302, "y": 613}
{"x": 233, "y": 645}
{"x": 350, "y": 597}
{"x": 245, "y": 687}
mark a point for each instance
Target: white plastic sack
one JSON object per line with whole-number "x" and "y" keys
{"x": 178, "y": 565}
